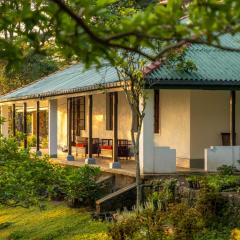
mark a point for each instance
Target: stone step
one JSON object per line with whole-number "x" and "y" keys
{"x": 119, "y": 200}
{"x": 106, "y": 182}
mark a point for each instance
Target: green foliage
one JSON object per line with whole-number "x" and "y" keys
{"x": 32, "y": 67}
{"x": 187, "y": 221}
{"x": 56, "y": 221}
{"x": 209, "y": 216}
{"x": 26, "y": 179}
{"x": 226, "y": 169}
{"x": 81, "y": 187}
{"x": 178, "y": 61}
{"x": 92, "y": 30}
{"x": 220, "y": 182}
{"x": 209, "y": 204}
{"x": 167, "y": 194}
{"x": 125, "y": 228}
{"x": 45, "y": 142}
{"x": 193, "y": 182}
{"x": 32, "y": 141}
{"x": 215, "y": 234}
{"x": 223, "y": 183}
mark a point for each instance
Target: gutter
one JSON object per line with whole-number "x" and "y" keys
{"x": 63, "y": 92}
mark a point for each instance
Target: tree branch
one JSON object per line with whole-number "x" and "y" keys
{"x": 92, "y": 35}
{"x": 107, "y": 41}
{"x": 78, "y": 20}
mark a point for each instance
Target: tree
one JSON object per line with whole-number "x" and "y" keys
{"x": 130, "y": 69}
{"x": 93, "y": 31}
{"x": 74, "y": 28}
{"x": 32, "y": 67}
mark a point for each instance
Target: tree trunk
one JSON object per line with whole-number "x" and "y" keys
{"x": 138, "y": 181}
{"x": 136, "y": 156}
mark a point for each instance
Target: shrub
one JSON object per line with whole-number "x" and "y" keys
{"x": 26, "y": 179}
{"x": 81, "y": 186}
{"x": 187, "y": 221}
{"x": 222, "y": 182}
{"x": 209, "y": 204}
{"x": 193, "y": 182}
{"x": 163, "y": 192}
{"x": 209, "y": 217}
{"x": 125, "y": 227}
{"x": 226, "y": 169}
{"x": 32, "y": 141}
{"x": 235, "y": 234}
{"x": 44, "y": 142}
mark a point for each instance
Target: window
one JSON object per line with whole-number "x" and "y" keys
{"x": 156, "y": 111}
{"x": 82, "y": 113}
{"x": 78, "y": 115}
{"x": 109, "y": 111}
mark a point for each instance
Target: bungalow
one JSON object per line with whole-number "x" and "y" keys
{"x": 190, "y": 117}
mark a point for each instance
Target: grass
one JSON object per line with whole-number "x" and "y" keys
{"x": 57, "y": 221}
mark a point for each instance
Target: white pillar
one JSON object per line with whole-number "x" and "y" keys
{"x": 5, "y": 125}
{"x": 52, "y": 128}
{"x": 146, "y": 144}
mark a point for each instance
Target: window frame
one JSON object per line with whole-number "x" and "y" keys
{"x": 156, "y": 111}
{"x": 109, "y": 111}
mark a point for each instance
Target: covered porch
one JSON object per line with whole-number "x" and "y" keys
{"x": 180, "y": 129}
{"x": 187, "y": 114}
{"x": 128, "y": 168}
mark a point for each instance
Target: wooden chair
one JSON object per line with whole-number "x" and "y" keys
{"x": 82, "y": 146}
{"x": 106, "y": 148}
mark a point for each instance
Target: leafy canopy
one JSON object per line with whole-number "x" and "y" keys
{"x": 91, "y": 30}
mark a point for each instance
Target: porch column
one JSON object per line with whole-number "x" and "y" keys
{"x": 4, "y": 125}
{"x": 14, "y": 120}
{"x": 233, "y": 118}
{"x": 115, "y": 163}
{"x": 70, "y": 157}
{"x": 25, "y": 123}
{"x": 90, "y": 159}
{"x": 38, "y": 152}
{"x": 146, "y": 143}
{"x": 52, "y": 128}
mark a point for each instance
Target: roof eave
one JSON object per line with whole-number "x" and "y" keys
{"x": 198, "y": 84}
{"x": 63, "y": 92}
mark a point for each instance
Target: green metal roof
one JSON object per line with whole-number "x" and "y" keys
{"x": 70, "y": 80}
{"x": 215, "y": 68}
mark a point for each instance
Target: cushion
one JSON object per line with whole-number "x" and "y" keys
{"x": 81, "y": 145}
{"x": 107, "y": 147}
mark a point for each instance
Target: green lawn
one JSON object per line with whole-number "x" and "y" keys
{"x": 56, "y": 222}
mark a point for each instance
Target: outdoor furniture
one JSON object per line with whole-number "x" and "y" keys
{"x": 82, "y": 146}
{"x": 226, "y": 138}
{"x": 124, "y": 148}
{"x": 106, "y": 148}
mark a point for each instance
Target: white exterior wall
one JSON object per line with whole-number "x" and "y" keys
{"x": 146, "y": 143}
{"x": 175, "y": 122}
{"x": 153, "y": 157}
{"x": 53, "y": 128}
{"x": 190, "y": 121}
{"x": 4, "y": 126}
{"x": 219, "y": 155}
{"x": 209, "y": 118}
{"x": 62, "y": 122}
{"x": 99, "y": 119}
